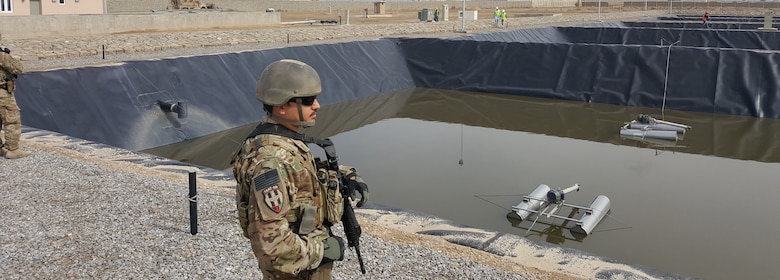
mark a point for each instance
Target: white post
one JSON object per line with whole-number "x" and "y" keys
{"x": 463, "y": 18}
{"x": 599, "y": 10}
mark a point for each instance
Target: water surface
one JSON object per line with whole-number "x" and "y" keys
{"x": 702, "y": 207}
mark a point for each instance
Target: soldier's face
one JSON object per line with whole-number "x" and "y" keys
{"x": 289, "y": 110}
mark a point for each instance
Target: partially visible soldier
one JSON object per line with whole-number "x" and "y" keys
{"x": 286, "y": 205}
{"x": 10, "y": 120}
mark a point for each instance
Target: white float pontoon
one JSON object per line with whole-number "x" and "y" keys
{"x": 643, "y": 134}
{"x": 645, "y": 126}
{"x": 543, "y": 197}
{"x": 653, "y": 142}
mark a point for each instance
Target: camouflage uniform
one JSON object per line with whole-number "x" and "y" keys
{"x": 277, "y": 183}
{"x": 9, "y": 112}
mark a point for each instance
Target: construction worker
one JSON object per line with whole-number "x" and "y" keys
{"x": 497, "y": 15}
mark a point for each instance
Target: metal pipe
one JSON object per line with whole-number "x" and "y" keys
{"x": 180, "y": 108}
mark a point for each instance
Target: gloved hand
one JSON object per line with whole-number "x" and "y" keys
{"x": 363, "y": 190}
{"x": 355, "y": 183}
{"x": 334, "y": 250}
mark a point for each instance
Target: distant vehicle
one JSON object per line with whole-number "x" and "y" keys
{"x": 270, "y": 10}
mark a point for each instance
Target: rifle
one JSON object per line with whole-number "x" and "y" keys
{"x": 351, "y": 227}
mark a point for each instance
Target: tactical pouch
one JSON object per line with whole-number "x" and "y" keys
{"x": 243, "y": 212}
{"x": 10, "y": 86}
{"x": 307, "y": 220}
{"x": 333, "y": 199}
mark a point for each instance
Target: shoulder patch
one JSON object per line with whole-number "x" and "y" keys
{"x": 267, "y": 185}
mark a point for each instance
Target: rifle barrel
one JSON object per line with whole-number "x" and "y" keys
{"x": 360, "y": 260}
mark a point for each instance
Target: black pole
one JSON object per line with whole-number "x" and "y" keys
{"x": 193, "y": 197}
{"x": 288, "y": 38}
{"x": 104, "y": 51}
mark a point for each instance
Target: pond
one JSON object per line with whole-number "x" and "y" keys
{"x": 703, "y": 207}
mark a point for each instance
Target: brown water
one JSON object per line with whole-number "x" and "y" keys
{"x": 705, "y": 208}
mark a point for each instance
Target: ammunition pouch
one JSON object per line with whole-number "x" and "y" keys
{"x": 333, "y": 198}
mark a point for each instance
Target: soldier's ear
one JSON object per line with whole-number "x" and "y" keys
{"x": 280, "y": 110}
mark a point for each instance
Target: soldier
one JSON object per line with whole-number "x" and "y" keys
{"x": 10, "y": 120}
{"x": 285, "y": 204}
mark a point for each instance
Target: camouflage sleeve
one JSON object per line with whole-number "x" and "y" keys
{"x": 269, "y": 230}
{"x": 9, "y": 64}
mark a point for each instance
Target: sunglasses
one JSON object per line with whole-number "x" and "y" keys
{"x": 308, "y": 101}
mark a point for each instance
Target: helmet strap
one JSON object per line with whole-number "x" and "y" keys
{"x": 300, "y": 110}
{"x": 300, "y": 115}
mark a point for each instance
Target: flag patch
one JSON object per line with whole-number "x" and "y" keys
{"x": 265, "y": 180}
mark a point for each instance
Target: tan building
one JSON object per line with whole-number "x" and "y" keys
{"x": 51, "y": 7}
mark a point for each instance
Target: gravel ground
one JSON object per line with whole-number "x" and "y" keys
{"x": 78, "y": 216}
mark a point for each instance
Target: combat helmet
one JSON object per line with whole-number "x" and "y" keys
{"x": 287, "y": 79}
